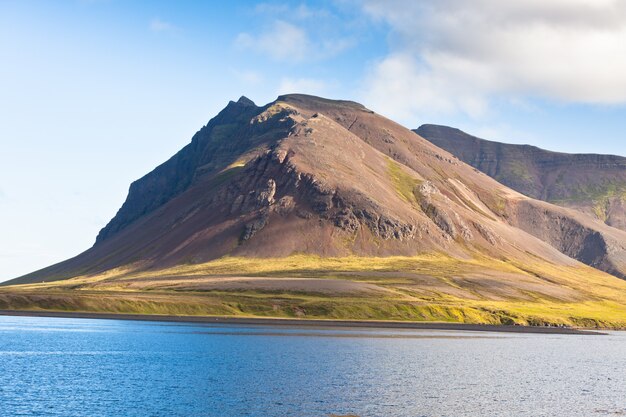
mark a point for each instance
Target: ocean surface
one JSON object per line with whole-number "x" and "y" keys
{"x": 83, "y": 367}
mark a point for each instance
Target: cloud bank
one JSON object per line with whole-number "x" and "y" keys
{"x": 304, "y": 35}
{"x": 458, "y": 56}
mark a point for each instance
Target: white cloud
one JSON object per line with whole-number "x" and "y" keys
{"x": 300, "y": 12}
{"x": 402, "y": 86}
{"x": 455, "y": 56}
{"x": 158, "y": 25}
{"x": 283, "y": 41}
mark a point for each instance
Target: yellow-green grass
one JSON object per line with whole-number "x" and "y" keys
{"x": 454, "y": 291}
{"x": 404, "y": 184}
{"x": 586, "y": 314}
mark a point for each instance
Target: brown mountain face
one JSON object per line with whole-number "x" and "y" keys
{"x": 309, "y": 175}
{"x": 592, "y": 184}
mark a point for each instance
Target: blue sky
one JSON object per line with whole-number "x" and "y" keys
{"x": 96, "y": 93}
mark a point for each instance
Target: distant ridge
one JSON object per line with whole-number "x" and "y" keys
{"x": 591, "y": 183}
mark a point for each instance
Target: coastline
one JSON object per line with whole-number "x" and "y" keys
{"x": 258, "y": 321}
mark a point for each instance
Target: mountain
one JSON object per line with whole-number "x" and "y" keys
{"x": 309, "y": 195}
{"x": 310, "y": 175}
{"x": 592, "y": 184}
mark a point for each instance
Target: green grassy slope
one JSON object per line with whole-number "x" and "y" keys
{"x": 431, "y": 287}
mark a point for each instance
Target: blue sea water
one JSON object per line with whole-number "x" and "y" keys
{"x": 82, "y": 367}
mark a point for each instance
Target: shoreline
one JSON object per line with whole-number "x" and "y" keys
{"x": 259, "y": 321}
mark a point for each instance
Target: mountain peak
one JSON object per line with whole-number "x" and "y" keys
{"x": 245, "y": 101}
{"x": 279, "y": 179}
{"x": 314, "y": 102}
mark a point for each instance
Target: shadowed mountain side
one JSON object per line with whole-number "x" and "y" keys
{"x": 593, "y": 184}
{"x": 306, "y": 175}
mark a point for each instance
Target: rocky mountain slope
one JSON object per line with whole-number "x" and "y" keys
{"x": 307, "y": 175}
{"x": 593, "y": 184}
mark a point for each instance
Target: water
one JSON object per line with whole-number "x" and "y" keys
{"x": 79, "y": 367}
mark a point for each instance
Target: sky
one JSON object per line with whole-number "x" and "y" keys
{"x": 96, "y": 93}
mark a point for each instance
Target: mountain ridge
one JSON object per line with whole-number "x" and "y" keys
{"x": 370, "y": 187}
{"x": 594, "y": 184}
{"x": 310, "y": 207}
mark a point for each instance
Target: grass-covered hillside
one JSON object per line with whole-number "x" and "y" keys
{"x": 432, "y": 287}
